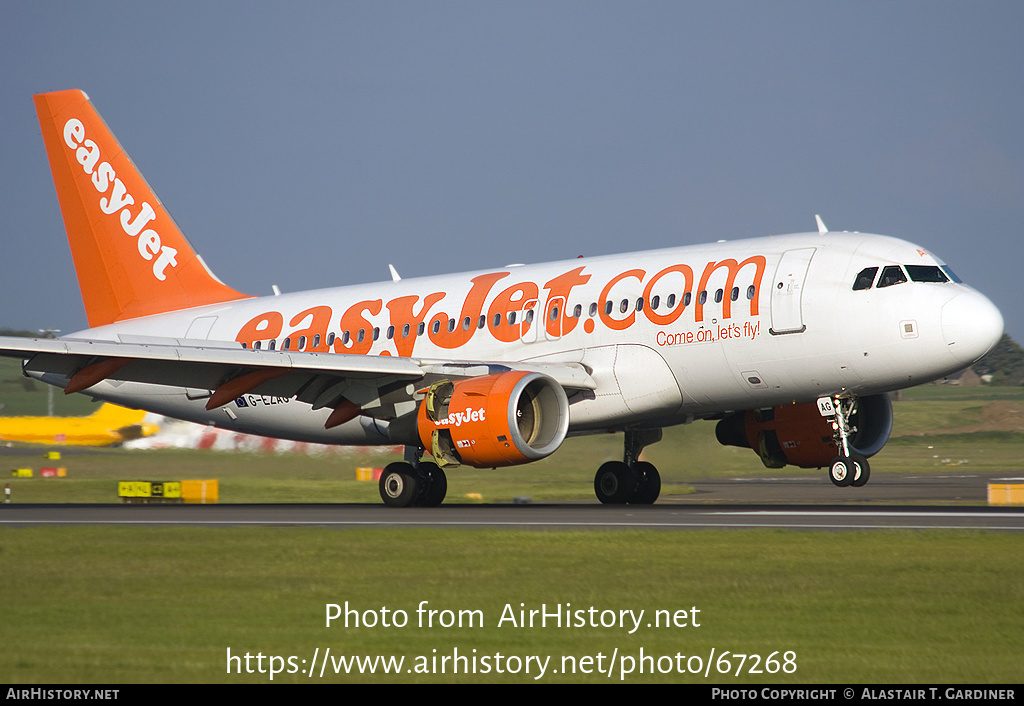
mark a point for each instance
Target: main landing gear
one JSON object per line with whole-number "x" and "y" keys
{"x": 630, "y": 480}
{"x": 849, "y": 468}
{"x": 413, "y": 482}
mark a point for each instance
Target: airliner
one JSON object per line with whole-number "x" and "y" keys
{"x": 109, "y": 425}
{"x": 789, "y": 343}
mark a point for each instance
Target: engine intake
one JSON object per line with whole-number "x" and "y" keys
{"x": 495, "y": 420}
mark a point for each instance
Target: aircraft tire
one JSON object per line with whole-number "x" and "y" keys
{"x": 399, "y": 485}
{"x": 614, "y": 483}
{"x": 861, "y": 471}
{"x": 840, "y": 472}
{"x": 434, "y": 485}
{"x": 648, "y": 486}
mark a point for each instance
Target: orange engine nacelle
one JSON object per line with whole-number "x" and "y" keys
{"x": 502, "y": 419}
{"x": 798, "y": 435}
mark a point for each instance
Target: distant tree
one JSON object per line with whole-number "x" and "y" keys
{"x": 22, "y": 334}
{"x": 1005, "y": 363}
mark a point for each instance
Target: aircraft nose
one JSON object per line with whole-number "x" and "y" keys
{"x": 971, "y": 326}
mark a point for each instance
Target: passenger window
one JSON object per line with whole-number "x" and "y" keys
{"x": 671, "y": 301}
{"x": 865, "y": 278}
{"x": 893, "y": 274}
{"x": 751, "y": 290}
{"x": 655, "y": 301}
{"x": 577, "y": 312}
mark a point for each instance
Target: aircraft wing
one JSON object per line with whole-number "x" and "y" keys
{"x": 224, "y": 371}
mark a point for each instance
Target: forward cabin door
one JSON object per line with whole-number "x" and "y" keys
{"x": 787, "y": 291}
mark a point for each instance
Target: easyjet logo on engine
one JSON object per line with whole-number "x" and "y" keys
{"x": 455, "y": 419}
{"x": 104, "y": 179}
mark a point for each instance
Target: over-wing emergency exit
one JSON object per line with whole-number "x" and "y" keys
{"x": 790, "y": 342}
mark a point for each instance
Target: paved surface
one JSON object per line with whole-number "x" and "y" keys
{"x": 539, "y": 517}
{"x": 953, "y": 500}
{"x": 933, "y": 488}
{"x": 809, "y": 503}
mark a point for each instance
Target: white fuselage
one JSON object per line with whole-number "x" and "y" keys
{"x": 668, "y": 335}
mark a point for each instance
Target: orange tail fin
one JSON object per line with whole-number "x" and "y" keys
{"x": 130, "y": 257}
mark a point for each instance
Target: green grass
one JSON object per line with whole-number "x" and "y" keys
{"x": 926, "y": 438}
{"x": 124, "y": 605}
{"x": 250, "y": 477}
{"x": 24, "y": 397}
{"x": 956, "y": 393}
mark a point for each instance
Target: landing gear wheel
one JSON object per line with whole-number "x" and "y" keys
{"x": 614, "y": 483}
{"x": 648, "y": 486}
{"x": 399, "y": 485}
{"x": 841, "y": 471}
{"x": 861, "y": 471}
{"x": 435, "y": 485}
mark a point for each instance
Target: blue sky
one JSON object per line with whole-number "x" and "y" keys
{"x": 310, "y": 144}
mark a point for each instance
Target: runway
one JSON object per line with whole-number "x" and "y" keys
{"x": 941, "y": 488}
{"x": 787, "y": 502}
{"x": 535, "y": 517}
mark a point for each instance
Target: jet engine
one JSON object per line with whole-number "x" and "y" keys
{"x": 502, "y": 419}
{"x": 798, "y": 435}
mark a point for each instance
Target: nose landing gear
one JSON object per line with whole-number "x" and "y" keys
{"x": 848, "y": 468}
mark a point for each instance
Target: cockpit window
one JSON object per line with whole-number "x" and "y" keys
{"x": 865, "y": 278}
{"x": 951, "y": 274}
{"x": 926, "y": 273}
{"x": 893, "y": 274}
